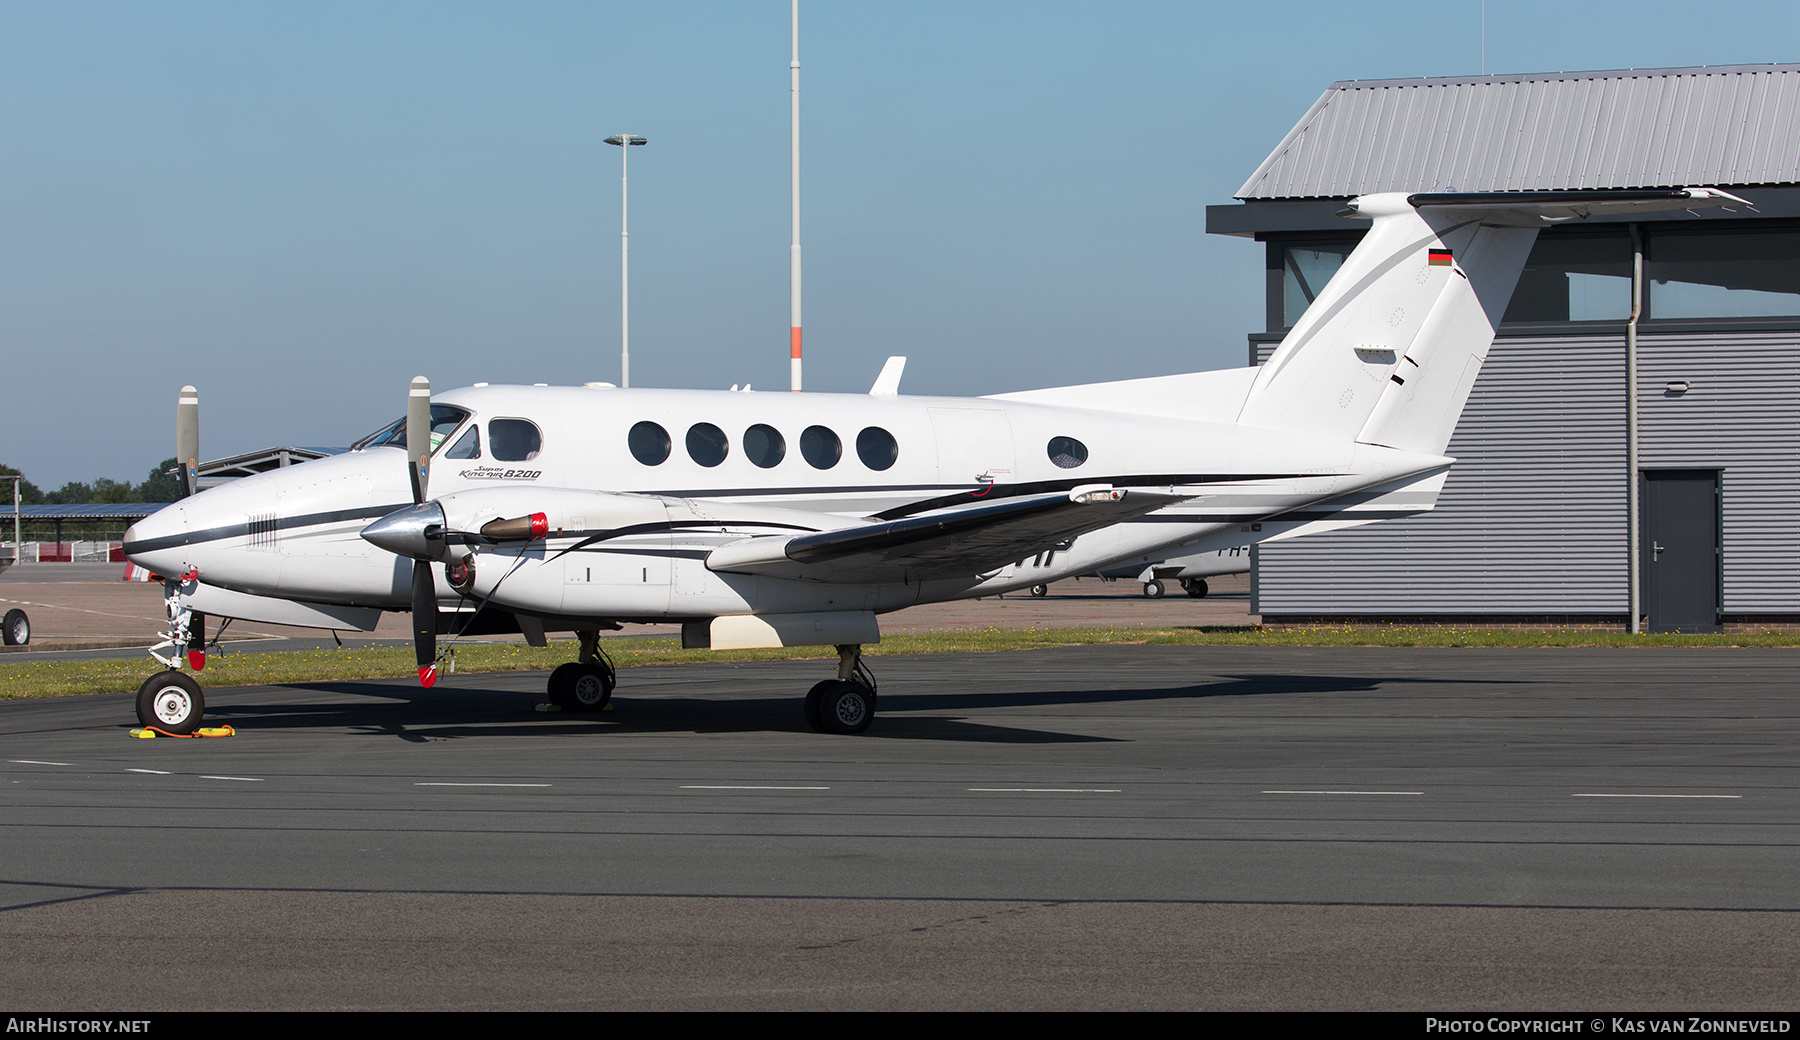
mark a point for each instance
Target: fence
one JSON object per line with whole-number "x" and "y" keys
{"x": 62, "y": 552}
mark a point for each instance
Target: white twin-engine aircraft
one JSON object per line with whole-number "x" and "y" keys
{"x": 761, "y": 520}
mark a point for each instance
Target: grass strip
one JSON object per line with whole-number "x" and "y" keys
{"x": 245, "y": 667}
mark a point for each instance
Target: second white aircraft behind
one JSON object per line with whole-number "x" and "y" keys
{"x": 796, "y": 519}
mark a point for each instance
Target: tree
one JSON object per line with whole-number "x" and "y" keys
{"x": 74, "y": 493}
{"x": 163, "y": 484}
{"x": 112, "y": 491}
{"x": 28, "y": 492}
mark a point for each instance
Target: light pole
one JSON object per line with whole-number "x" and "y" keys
{"x": 622, "y": 140}
{"x": 794, "y": 251}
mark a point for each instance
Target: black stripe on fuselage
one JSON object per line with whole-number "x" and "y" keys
{"x": 282, "y": 523}
{"x": 960, "y": 495}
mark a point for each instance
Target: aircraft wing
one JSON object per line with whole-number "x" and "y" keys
{"x": 966, "y": 541}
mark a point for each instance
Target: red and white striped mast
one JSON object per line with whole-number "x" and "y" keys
{"x": 794, "y": 250}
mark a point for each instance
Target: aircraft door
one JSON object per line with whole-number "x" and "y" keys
{"x": 974, "y": 446}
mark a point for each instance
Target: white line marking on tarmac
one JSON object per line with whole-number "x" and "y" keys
{"x": 1656, "y": 796}
{"x": 246, "y": 779}
{"x": 34, "y": 762}
{"x": 1348, "y": 792}
{"x": 747, "y": 787}
{"x": 446, "y": 783}
{"x": 1053, "y": 790}
{"x": 152, "y": 772}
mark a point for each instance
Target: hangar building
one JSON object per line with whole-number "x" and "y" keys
{"x": 1535, "y": 524}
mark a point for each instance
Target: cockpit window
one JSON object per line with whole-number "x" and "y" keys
{"x": 468, "y": 446}
{"x": 514, "y": 440}
{"x": 444, "y": 421}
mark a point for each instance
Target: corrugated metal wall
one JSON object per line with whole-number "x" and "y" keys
{"x": 1742, "y": 416}
{"x": 1532, "y": 519}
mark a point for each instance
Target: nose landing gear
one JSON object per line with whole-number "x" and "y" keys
{"x": 169, "y": 700}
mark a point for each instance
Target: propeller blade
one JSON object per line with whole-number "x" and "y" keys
{"x": 187, "y": 437}
{"x": 424, "y": 611}
{"x": 418, "y": 436}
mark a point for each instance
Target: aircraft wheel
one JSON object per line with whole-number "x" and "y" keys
{"x": 1040, "y": 591}
{"x": 561, "y": 685}
{"x": 811, "y": 707}
{"x": 845, "y": 707}
{"x": 171, "y": 701}
{"x": 1153, "y": 588}
{"x": 15, "y": 630}
{"x": 589, "y": 686}
{"x": 1195, "y": 587}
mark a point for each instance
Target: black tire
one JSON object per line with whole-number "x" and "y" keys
{"x": 846, "y": 707}
{"x": 1195, "y": 587}
{"x": 1153, "y": 588}
{"x": 560, "y": 688}
{"x": 172, "y": 702}
{"x": 15, "y": 629}
{"x": 810, "y": 708}
{"x": 1040, "y": 591}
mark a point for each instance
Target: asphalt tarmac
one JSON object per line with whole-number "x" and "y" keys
{"x": 1083, "y": 827}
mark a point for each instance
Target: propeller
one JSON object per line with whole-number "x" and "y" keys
{"x": 424, "y": 587}
{"x": 421, "y": 533}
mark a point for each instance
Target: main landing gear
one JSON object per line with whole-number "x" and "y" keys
{"x": 845, "y": 704}
{"x": 169, "y": 700}
{"x": 1195, "y": 587}
{"x": 587, "y": 684}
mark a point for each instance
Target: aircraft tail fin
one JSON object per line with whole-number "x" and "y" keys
{"x": 1390, "y": 348}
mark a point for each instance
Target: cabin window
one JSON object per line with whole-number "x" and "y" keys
{"x": 649, "y": 443}
{"x": 706, "y": 444}
{"x": 1066, "y": 452}
{"x": 444, "y": 421}
{"x": 764, "y": 446}
{"x": 514, "y": 440}
{"x": 468, "y": 446}
{"x": 877, "y": 448}
{"x": 820, "y": 447}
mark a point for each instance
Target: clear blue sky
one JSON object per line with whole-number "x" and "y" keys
{"x": 298, "y": 207}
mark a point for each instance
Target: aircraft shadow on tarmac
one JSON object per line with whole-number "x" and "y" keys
{"x": 410, "y": 714}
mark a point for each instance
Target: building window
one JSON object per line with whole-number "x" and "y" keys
{"x": 1735, "y": 274}
{"x": 1574, "y": 278}
{"x": 764, "y": 446}
{"x": 1305, "y": 268}
{"x": 706, "y": 444}
{"x": 649, "y": 443}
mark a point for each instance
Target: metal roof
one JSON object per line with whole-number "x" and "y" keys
{"x": 90, "y": 511}
{"x": 1640, "y": 128}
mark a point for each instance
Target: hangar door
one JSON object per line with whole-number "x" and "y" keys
{"x": 1682, "y": 550}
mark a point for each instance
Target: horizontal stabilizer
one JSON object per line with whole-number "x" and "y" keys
{"x": 1542, "y": 207}
{"x": 963, "y": 542}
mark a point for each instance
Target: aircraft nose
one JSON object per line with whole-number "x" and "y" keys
{"x": 158, "y": 542}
